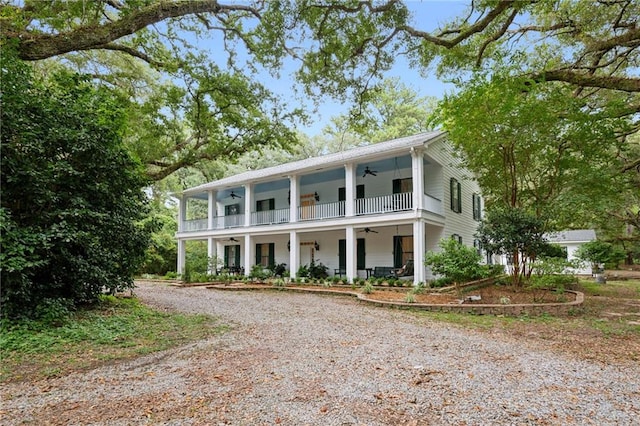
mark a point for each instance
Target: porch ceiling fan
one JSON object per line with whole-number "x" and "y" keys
{"x": 234, "y": 195}
{"x": 368, "y": 171}
{"x": 232, "y": 239}
{"x": 367, "y": 230}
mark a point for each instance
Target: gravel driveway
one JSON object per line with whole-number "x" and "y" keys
{"x": 300, "y": 359}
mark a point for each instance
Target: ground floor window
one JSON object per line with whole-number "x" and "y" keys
{"x": 265, "y": 254}
{"x": 402, "y": 250}
{"x": 360, "y": 254}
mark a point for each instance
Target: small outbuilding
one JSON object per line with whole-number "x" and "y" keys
{"x": 572, "y": 240}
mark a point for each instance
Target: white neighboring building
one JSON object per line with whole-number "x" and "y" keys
{"x": 572, "y": 240}
{"x": 374, "y": 206}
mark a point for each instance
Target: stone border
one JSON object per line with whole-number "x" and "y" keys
{"x": 532, "y": 309}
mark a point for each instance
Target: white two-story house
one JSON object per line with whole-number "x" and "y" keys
{"x": 374, "y": 206}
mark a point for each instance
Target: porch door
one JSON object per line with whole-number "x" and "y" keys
{"x": 307, "y": 252}
{"x": 360, "y": 207}
{"x": 402, "y": 250}
{"x": 231, "y": 256}
{"x": 307, "y": 204}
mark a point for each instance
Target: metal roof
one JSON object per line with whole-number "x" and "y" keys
{"x": 574, "y": 236}
{"x": 323, "y": 161}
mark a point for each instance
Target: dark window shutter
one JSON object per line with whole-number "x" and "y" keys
{"x": 359, "y": 191}
{"x": 397, "y": 186}
{"x": 272, "y": 203}
{"x": 258, "y": 254}
{"x": 237, "y": 255}
{"x": 226, "y": 256}
{"x": 342, "y": 254}
{"x": 397, "y": 251}
{"x": 360, "y": 253}
{"x": 272, "y": 254}
{"x": 459, "y": 197}
{"x": 342, "y": 194}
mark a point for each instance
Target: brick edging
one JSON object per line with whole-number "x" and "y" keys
{"x": 532, "y": 309}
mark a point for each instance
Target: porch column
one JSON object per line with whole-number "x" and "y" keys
{"x": 219, "y": 254}
{"x": 248, "y": 196}
{"x": 219, "y": 216}
{"x": 211, "y": 209}
{"x": 352, "y": 270}
{"x": 294, "y": 182}
{"x": 417, "y": 174}
{"x": 419, "y": 249}
{"x": 182, "y": 212}
{"x": 249, "y": 254}
{"x": 350, "y": 189}
{"x": 181, "y": 256}
{"x": 212, "y": 254}
{"x": 294, "y": 254}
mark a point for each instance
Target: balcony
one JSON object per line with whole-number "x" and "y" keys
{"x": 363, "y": 206}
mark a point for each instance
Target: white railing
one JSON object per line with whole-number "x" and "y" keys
{"x": 194, "y": 225}
{"x": 270, "y": 217}
{"x": 233, "y": 221}
{"x": 321, "y": 211}
{"x": 432, "y": 204}
{"x": 385, "y": 203}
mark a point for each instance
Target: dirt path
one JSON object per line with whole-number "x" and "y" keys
{"x": 297, "y": 359}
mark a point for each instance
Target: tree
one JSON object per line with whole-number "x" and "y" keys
{"x": 599, "y": 253}
{"x": 536, "y": 147}
{"x": 71, "y": 194}
{"x": 456, "y": 262}
{"x": 515, "y": 233}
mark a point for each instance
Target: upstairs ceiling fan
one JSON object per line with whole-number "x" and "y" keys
{"x": 367, "y": 230}
{"x": 368, "y": 171}
{"x": 234, "y": 195}
{"x": 232, "y": 239}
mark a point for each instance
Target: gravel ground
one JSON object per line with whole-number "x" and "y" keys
{"x": 300, "y": 359}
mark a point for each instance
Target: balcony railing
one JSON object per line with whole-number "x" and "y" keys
{"x": 194, "y": 225}
{"x": 363, "y": 206}
{"x": 385, "y": 203}
{"x": 270, "y": 217}
{"x": 321, "y": 211}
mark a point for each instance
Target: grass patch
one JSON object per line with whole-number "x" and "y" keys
{"x": 116, "y": 329}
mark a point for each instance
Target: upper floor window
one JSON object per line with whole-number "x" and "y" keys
{"x": 456, "y": 199}
{"x": 402, "y": 185}
{"x": 477, "y": 207}
{"x": 264, "y": 205}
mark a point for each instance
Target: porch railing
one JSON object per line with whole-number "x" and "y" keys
{"x": 233, "y": 221}
{"x": 384, "y": 203}
{"x": 270, "y": 217}
{"x": 321, "y": 211}
{"x": 194, "y": 225}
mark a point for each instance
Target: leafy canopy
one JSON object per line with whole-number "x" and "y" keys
{"x": 71, "y": 194}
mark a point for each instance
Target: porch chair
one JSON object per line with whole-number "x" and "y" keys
{"x": 405, "y": 271}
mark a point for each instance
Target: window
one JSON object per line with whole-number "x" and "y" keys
{"x": 264, "y": 205}
{"x": 477, "y": 207}
{"x": 360, "y": 254}
{"x": 402, "y": 250}
{"x": 456, "y": 199}
{"x": 265, "y": 254}
{"x": 456, "y": 237}
{"x": 402, "y": 185}
{"x": 231, "y": 209}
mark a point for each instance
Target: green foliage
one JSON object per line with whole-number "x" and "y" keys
{"x": 599, "y": 253}
{"x": 514, "y": 232}
{"x": 455, "y": 262}
{"x": 441, "y": 282}
{"x": 313, "y": 270}
{"x": 72, "y": 198}
{"x": 259, "y": 272}
{"x": 162, "y": 255}
{"x": 367, "y": 288}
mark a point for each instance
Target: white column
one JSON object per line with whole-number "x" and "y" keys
{"x": 350, "y": 189}
{"x": 294, "y": 254}
{"x": 419, "y": 248}
{"x": 249, "y": 254}
{"x": 352, "y": 266}
{"x": 212, "y": 254}
{"x": 294, "y": 182}
{"x": 248, "y": 201}
{"x": 181, "y": 256}
{"x": 220, "y": 252}
{"x": 417, "y": 174}
{"x": 211, "y": 210}
{"x": 182, "y": 212}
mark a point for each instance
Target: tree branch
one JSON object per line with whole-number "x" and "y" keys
{"x": 34, "y": 46}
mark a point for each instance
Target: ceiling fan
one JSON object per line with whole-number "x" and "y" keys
{"x": 232, "y": 239}
{"x": 234, "y": 195}
{"x": 368, "y": 171}
{"x": 367, "y": 230}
